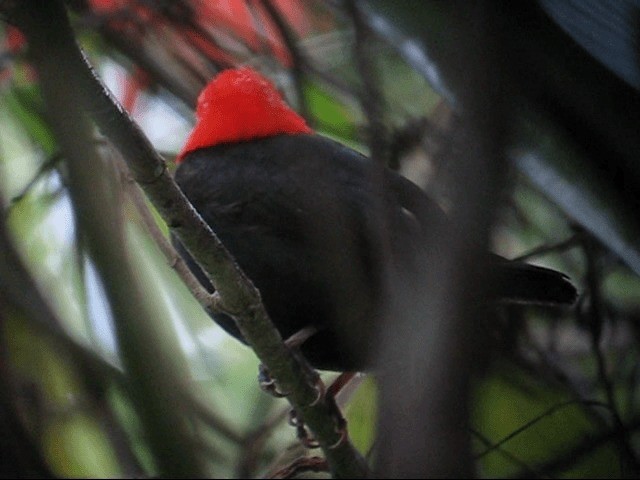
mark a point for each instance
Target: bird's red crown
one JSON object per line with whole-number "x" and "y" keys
{"x": 240, "y": 105}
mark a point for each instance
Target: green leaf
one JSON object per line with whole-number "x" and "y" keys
{"x": 331, "y": 115}
{"x": 25, "y": 103}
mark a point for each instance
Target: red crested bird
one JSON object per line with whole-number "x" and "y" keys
{"x": 310, "y": 224}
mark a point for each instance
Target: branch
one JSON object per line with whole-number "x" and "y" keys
{"x": 435, "y": 334}
{"x": 594, "y": 319}
{"x": 153, "y": 375}
{"x": 297, "y": 57}
{"x": 495, "y": 446}
{"x": 577, "y": 452}
{"x": 18, "y": 290}
{"x": 509, "y": 456}
{"x": 175, "y": 260}
{"x": 20, "y": 294}
{"x": 574, "y": 240}
{"x": 49, "y": 33}
{"x": 370, "y": 94}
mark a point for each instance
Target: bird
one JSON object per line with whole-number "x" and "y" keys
{"x": 311, "y": 224}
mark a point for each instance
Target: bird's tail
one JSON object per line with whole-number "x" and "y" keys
{"x": 519, "y": 282}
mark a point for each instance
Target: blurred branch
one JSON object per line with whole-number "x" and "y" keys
{"x": 495, "y": 446}
{"x": 20, "y": 456}
{"x": 203, "y": 412}
{"x": 594, "y": 319}
{"x": 562, "y": 462}
{"x": 512, "y": 458}
{"x": 300, "y": 467}
{"x": 254, "y": 441}
{"x": 297, "y": 56}
{"x": 214, "y": 421}
{"x": 19, "y": 293}
{"x": 73, "y": 89}
{"x": 44, "y": 169}
{"x": 154, "y": 375}
{"x": 413, "y": 134}
{"x": 370, "y": 94}
{"x": 571, "y": 242}
{"x": 148, "y": 48}
{"x": 175, "y": 260}
{"x": 431, "y": 342}
{"x": 549, "y": 364}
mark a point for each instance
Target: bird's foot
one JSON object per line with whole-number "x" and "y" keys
{"x": 268, "y": 384}
{"x": 307, "y": 440}
{"x": 340, "y": 382}
{"x": 297, "y": 339}
{"x": 301, "y": 430}
{"x": 302, "y": 465}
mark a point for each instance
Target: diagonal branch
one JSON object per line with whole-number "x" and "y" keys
{"x": 48, "y": 30}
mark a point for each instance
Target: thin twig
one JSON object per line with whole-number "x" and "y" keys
{"x": 45, "y": 168}
{"x": 509, "y": 456}
{"x": 300, "y": 466}
{"x": 571, "y": 242}
{"x": 594, "y": 318}
{"x": 371, "y": 95}
{"x": 254, "y": 441}
{"x": 176, "y": 262}
{"x": 575, "y": 454}
{"x": 532, "y": 422}
{"x": 214, "y": 420}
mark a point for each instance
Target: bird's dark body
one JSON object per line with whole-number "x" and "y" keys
{"x": 316, "y": 228}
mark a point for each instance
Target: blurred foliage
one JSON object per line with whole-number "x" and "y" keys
{"x": 156, "y": 56}
{"x": 553, "y": 425}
